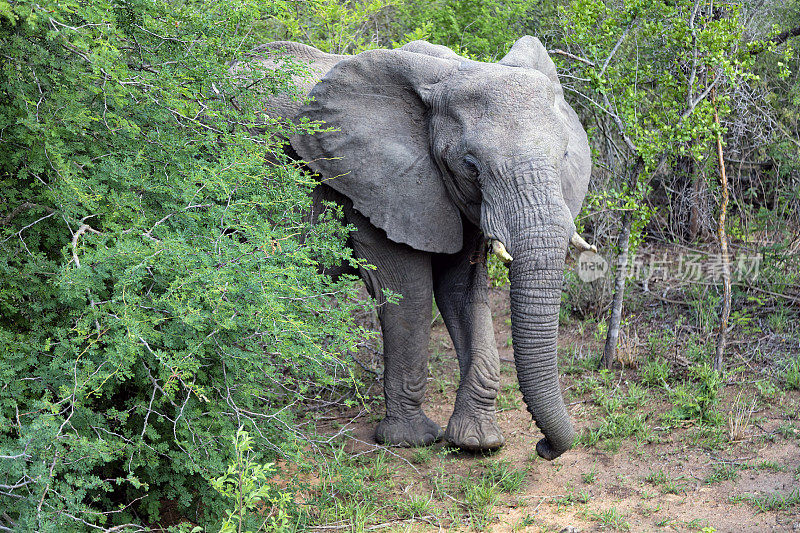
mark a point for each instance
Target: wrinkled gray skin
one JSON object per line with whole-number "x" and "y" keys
{"x": 433, "y": 154}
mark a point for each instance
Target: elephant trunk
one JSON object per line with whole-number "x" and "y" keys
{"x": 536, "y": 274}
{"x": 526, "y": 212}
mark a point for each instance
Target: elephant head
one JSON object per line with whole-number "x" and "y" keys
{"x": 420, "y": 137}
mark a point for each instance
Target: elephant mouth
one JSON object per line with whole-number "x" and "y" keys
{"x": 499, "y": 249}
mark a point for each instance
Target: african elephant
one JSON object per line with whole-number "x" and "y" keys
{"x": 436, "y": 158}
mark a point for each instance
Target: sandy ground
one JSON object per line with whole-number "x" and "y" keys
{"x": 600, "y": 488}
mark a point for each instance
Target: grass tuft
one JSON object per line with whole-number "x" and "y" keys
{"x": 772, "y": 501}
{"x": 611, "y": 519}
{"x": 723, "y": 472}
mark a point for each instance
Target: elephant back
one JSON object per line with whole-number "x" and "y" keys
{"x": 269, "y": 57}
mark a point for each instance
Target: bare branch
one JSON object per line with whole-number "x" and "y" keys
{"x": 81, "y": 230}
{"x": 620, "y": 126}
{"x": 29, "y": 225}
{"x": 149, "y": 233}
{"x": 564, "y": 53}
{"x": 165, "y": 38}
{"x": 17, "y": 485}
{"x": 15, "y": 456}
{"x": 777, "y": 40}
{"x": 784, "y": 36}
{"x": 693, "y": 72}
{"x": 614, "y": 50}
{"x": 703, "y": 96}
{"x": 22, "y": 207}
{"x": 723, "y": 245}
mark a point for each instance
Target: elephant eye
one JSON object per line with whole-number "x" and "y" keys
{"x": 472, "y": 167}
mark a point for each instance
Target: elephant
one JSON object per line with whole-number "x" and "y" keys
{"x": 436, "y": 160}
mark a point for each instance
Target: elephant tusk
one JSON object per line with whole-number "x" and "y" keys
{"x": 579, "y": 243}
{"x": 499, "y": 249}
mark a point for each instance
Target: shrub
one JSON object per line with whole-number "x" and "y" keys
{"x": 160, "y": 287}
{"x": 697, "y": 400}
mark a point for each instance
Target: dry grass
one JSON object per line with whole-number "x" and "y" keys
{"x": 739, "y": 418}
{"x": 627, "y": 348}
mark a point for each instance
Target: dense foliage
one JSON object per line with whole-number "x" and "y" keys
{"x": 159, "y": 283}
{"x": 651, "y": 76}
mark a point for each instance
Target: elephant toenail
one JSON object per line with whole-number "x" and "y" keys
{"x": 471, "y": 442}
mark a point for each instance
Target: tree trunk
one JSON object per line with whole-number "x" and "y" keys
{"x": 612, "y": 337}
{"x": 724, "y": 257}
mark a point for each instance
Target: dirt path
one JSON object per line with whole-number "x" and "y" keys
{"x": 636, "y": 467}
{"x": 667, "y": 484}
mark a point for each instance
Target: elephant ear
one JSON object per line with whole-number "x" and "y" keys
{"x": 376, "y": 149}
{"x": 528, "y": 52}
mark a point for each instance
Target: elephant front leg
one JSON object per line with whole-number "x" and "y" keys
{"x": 460, "y": 287}
{"x": 406, "y": 331}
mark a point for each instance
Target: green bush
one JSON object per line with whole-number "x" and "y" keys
{"x": 792, "y": 374}
{"x": 476, "y": 28}
{"x": 160, "y": 286}
{"x": 498, "y": 272}
{"x": 246, "y": 486}
{"x": 697, "y": 399}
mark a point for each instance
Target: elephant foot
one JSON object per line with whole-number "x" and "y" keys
{"x": 418, "y": 430}
{"x": 474, "y": 432}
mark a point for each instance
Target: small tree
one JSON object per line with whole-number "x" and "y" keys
{"x": 645, "y": 72}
